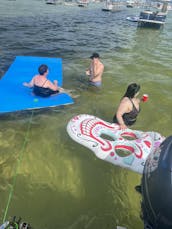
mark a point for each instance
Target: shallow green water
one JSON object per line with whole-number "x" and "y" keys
{"x": 59, "y": 183}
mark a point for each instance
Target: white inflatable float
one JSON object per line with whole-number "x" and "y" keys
{"x": 126, "y": 148}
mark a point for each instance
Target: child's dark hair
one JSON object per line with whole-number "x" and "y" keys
{"x": 42, "y": 69}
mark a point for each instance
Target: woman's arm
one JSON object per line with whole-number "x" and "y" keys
{"x": 124, "y": 107}
{"x": 53, "y": 86}
{"x": 88, "y": 70}
{"x": 30, "y": 84}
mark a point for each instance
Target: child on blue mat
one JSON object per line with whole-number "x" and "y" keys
{"x": 44, "y": 87}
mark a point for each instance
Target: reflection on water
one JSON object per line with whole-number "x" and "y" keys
{"x": 59, "y": 183}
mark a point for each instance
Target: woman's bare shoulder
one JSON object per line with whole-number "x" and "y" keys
{"x": 136, "y": 100}
{"x": 49, "y": 81}
{"x": 36, "y": 77}
{"x": 125, "y": 100}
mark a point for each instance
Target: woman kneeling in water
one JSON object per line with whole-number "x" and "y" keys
{"x": 129, "y": 107}
{"x": 42, "y": 86}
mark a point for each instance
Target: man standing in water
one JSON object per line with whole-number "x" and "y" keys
{"x": 95, "y": 70}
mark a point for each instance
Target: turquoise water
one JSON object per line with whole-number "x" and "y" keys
{"x": 59, "y": 183}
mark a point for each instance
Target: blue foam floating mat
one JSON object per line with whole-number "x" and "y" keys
{"x": 16, "y": 97}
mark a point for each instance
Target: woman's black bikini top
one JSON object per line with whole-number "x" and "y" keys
{"x": 43, "y": 91}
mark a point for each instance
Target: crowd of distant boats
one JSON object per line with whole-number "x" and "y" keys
{"x": 81, "y": 3}
{"x": 154, "y": 13}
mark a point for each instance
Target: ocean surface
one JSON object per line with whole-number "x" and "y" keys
{"x": 46, "y": 178}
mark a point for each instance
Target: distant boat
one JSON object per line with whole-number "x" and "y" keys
{"x": 70, "y": 3}
{"x": 149, "y": 18}
{"x": 51, "y": 2}
{"x": 112, "y": 6}
{"x": 83, "y": 3}
{"x": 159, "y": 6}
{"x": 108, "y": 6}
{"x": 130, "y": 4}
